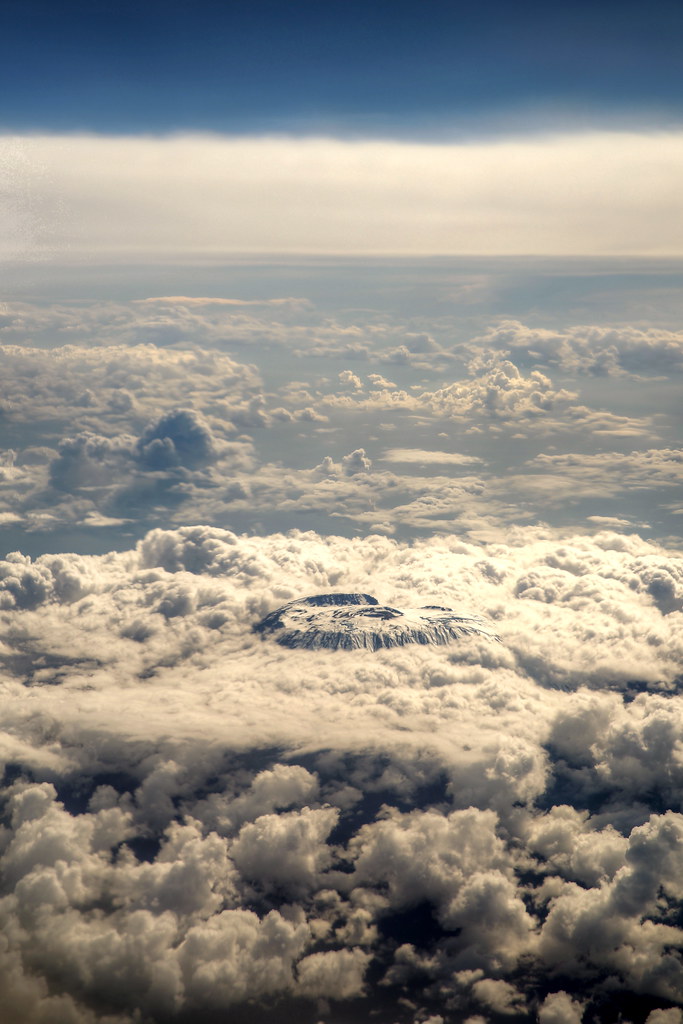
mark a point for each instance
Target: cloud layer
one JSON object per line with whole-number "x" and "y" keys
{"x": 199, "y": 824}
{"x": 216, "y": 411}
{"x": 198, "y": 820}
{"x": 588, "y": 193}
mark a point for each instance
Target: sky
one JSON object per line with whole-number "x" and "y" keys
{"x": 306, "y": 299}
{"x": 398, "y": 69}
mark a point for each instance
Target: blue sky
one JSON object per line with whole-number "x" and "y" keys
{"x": 391, "y": 69}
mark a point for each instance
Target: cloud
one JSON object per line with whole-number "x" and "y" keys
{"x": 181, "y": 437}
{"x": 90, "y": 457}
{"x": 418, "y": 455}
{"x": 197, "y": 300}
{"x": 338, "y": 974}
{"x": 198, "y": 324}
{"x": 560, "y": 1008}
{"x": 286, "y": 850}
{"x": 118, "y": 383}
{"x": 495, "y": 397}
{"x": 126, "y": 445}
{"x": 356, "y": 462}
{"x": 198, "y": 820}
{"x": 593, "y": 350}
{"x": 88, "y": 460}
{"x": 555, "y": 194}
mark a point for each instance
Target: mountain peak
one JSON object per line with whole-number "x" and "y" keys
{"x": 358, "y": 621}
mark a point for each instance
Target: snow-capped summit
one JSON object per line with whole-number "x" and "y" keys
{"x": 352, "y": 621}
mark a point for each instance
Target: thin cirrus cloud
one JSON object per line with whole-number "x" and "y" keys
{"x": 410, "y": 455}
{"x": 600, "y": 192}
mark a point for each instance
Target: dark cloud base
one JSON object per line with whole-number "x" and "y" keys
{"x": 417, "y": 925}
